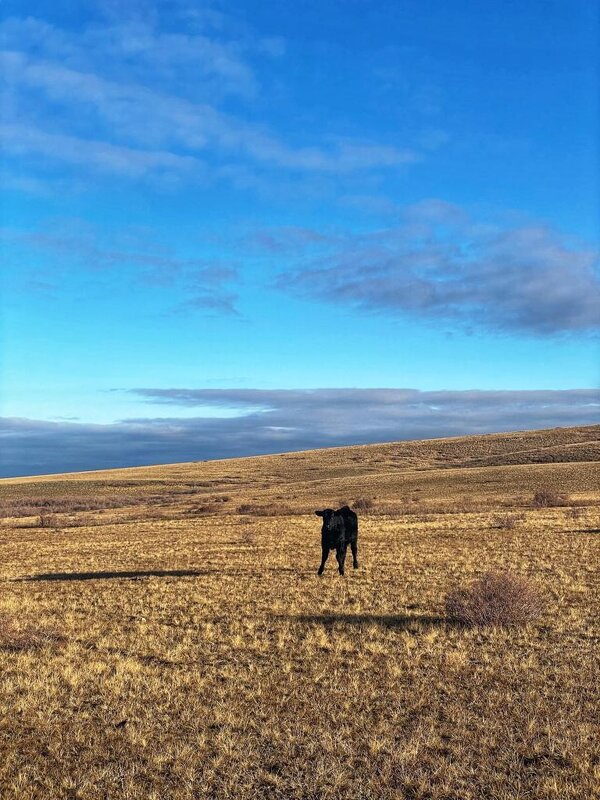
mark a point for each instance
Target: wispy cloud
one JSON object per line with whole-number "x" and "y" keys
{"x": 286, "y": 239}
{"x": 127, "y": 254}
{"x": 217, "y": 304}
{"x": 136, "y": 44}
{"x": 440, "y": 264}
{"x": 95, "y": 155}
{"x": 86, "y": 101}
{"x": 281, "y": 420}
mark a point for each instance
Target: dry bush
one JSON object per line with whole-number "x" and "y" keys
{"x": 48, "y": 520}
{"x": 16, "y": 637}
{"x": 498, "y": 599}
{"x": 574, "y": 513}
{"x": 152, "y": 513}
{"x": 415, "y": 507}
{"x": 549, "y": 498}
{"x": 202, "y": 508}
{"x": 507, "y": 522}
{"x": 248, "y": 538}
{"x": 265, "y": 510}
{"x": 31, "y": 507}
{"x": 363, "y": 504}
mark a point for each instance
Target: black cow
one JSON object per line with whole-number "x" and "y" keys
{"x": 340, "y": 529}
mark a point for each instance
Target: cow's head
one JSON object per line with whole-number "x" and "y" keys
{"x": 327, "y": 514}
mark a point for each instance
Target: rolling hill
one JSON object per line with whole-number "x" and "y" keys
{"x": 163, "y": 632}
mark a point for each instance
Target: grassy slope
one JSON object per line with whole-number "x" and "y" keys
{"x": 169, "y": 646}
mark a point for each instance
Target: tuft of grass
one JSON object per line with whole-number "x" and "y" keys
{"x": 264, "y": 510}
{"x": 202, "y": 508}
{"x": 507, "y": 522}
{"x": 48, "y": 520}
{"x": 363, "y": 504}
{"x": 18, "y": 636}
{"x": 549, "y": 498}
{"x": 496, "y": 599}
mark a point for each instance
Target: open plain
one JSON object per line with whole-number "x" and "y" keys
{"x": 164, "y": 635}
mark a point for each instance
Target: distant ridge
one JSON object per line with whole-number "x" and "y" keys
{"x": 544, "y": 446}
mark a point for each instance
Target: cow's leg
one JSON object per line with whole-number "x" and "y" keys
{"x": 340, "y": 554}
{"x": 354, "y": 546}
{"x": 323, "y": 559}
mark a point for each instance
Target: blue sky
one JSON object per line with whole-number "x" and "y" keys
{"x": 232, "y": 228}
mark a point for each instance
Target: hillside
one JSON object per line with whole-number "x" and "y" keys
{"x": 163, "y": 632}
{"x": 483, "y": 467}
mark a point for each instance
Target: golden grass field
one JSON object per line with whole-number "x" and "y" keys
{"x": 163, "y": 632}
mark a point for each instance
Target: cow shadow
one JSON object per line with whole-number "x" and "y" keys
{"x": 129, "y": 574}
{"x": 150, "y": 573}
{"x": 398, "y": 621}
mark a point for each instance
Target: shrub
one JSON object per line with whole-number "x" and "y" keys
{"x": 498, "y": 599}
{"x": 202, "y": 508}
{"x": 363, "y": 503}
{"x": 506, "y": 522}
{"x": 48, "y": 520}
{"x": 266, "y": 510}
{"x": 30, "y": 507}
{"x": 549, "y": 498}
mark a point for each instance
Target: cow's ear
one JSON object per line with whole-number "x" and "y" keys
{"x": 320, "y": 513}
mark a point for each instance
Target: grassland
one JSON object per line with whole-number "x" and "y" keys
{"x": 163, "y": 632}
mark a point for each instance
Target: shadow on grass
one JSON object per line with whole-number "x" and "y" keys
{"x": 399, "y": 621}
{"x": 98, "y": 576}
{"x": 153, "y": 573}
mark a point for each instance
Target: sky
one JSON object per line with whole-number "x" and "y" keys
{"x": 234, "y": 228}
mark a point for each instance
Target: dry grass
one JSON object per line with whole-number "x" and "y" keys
{"x": 549, "y": 498}
{"x": 507, "y": 522}
{"x": 363, "y": 504}
{"x": 496, "y": 599}
{"x": 17, "y": 635}
{"x": 18, "y": 507}
{"x": 201, "y": 657}
{"x": 264, "y": 509}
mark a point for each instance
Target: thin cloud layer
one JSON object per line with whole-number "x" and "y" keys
{"x": 270, "y": 421}
{"x": 441, "y": 265}
{"x": 72, "y": 245}
{"x": 85, "y": 101}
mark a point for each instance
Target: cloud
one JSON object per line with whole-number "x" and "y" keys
{"x": 23, "y": 183}
{"x": 285, "y": 239}
{"x": 217, "y": 303}
{"x": 129, "y": 253}
{"x": 132, "y": 100}
{"x": 95, "y": 154}
{"x": 136, "y": 44}
{"x": 270, "y": 421}
{"x": 440, "y": 264}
